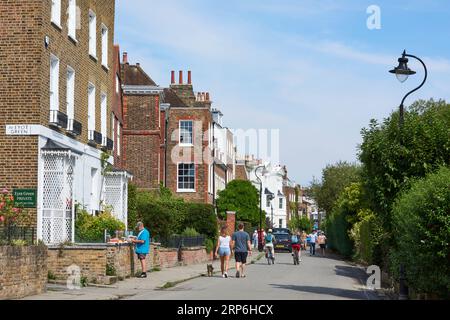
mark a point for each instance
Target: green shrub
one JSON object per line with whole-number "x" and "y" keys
{"x": 189, "y": 232}
{"x": 209, "y": 244}
{"x": 89, "y": 228}
{"x": 202, "y": 218}
{"x": 421, "y": 219}
{"x": 337, "y": 228}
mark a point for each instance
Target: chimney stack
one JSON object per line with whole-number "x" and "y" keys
{"x": 125, "y": 57}
{"x": 207, "y": 96}
{"x": 189, "y": 77}
{"x": 172, "y": 80}
{"x": 198, "y": 96}
{"x": 181, "y": 77}
{"x": 138, "y": 64}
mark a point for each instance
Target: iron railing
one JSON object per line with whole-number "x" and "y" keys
{"x": 181, "y": 241}
{"x": 11, "y": 234}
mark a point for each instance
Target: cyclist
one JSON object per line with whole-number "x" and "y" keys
{"x": 296, "y": 242}
{"x": 269, "y": 240}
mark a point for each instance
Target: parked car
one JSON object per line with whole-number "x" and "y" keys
{"x": 281, "y": 230}
{"x": 282, "y": 241}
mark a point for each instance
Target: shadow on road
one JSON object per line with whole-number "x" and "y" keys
{"x": 343, "y": 293}
{"x": 351, "y": 272}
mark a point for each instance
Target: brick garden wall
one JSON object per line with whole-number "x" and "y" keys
{"x": 23, "y": 271}
{"x": 94, "y": 259}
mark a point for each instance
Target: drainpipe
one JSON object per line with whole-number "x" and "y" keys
{"x": 165, "y": 146}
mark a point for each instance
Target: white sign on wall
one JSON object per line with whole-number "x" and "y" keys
{"x": 18, "y": 130}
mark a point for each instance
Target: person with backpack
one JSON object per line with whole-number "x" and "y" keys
{"x": 296, "y": 245}
{"x": 269, "y": 240}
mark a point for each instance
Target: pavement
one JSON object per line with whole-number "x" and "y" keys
{"x": 132, "y": 287}
{"x": 316, "y": 278}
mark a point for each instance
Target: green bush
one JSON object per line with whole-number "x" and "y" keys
{"x": 189, "y": 232}
{"x": 300, "y": 223}
{"x": 202, "y": 218}
{"x": 337, "y": 227}
{"x": 132, "y": 206}
{"x": 89, "y": 228}
{"x": 209, "y": 244}
{"x": 421, "y": 219}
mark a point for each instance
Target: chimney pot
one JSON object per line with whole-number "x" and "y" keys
{"x": 181, "y": 77}
{"x": 189, "y": 77}
{"x": 207, "y": 96}
{"x": 125, "y": 57}
{"x": 172, "y": 80}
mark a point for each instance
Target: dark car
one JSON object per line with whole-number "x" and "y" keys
{"x": 282, "y": 241}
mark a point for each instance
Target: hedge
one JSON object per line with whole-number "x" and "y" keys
{"x": 421, "y": 219}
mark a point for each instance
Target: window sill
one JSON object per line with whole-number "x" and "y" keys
{"x": 185, "y": 191}
{"x": 187, "y": 145}
{"x": 105, "y": 67}
{"x": 57, "y": 26}
{"x": 73, "y": 39}
{"x": 93, "y": 57}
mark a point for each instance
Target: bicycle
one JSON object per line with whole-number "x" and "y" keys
{"x": 269, "y": 255}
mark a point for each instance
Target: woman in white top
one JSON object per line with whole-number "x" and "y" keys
{"x": 223, "y": 249}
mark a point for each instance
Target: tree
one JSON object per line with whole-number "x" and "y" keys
{"x": 334, "y": 179}
{"x": 393, "y": 156}
{"x": 240, "y": 196}
{"x": 300, "y": 223}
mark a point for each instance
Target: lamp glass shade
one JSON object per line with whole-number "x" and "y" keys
{"x": 402, "y": 77}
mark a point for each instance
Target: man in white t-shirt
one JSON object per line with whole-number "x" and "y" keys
{"x": 312, "y": 245}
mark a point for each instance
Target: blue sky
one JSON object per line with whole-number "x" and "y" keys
{"x": 309, "y": 68}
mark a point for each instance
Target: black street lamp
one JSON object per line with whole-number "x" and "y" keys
{"x": 260, "y": 240}
{"x": 402, "y": 71}
{"x": 270, "y": 196}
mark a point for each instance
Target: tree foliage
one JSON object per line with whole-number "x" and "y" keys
{"x": 392, "y": 156}
{"x": 334, "y": 179}
{"x": 300, "y": 223}
{"x": 421, "y": 219}
{"x": 240, "y": 196}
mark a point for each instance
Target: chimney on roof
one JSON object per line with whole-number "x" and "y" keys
{"x": 198, "y": 96}
{"x": 207, "y": 96}
{"x": 138, "y": 64}
{"x": 189, "y": 77}
{"x": 181, "y": 77}
{"x": 172, "y": 78}
{"x": 125, "y": 57}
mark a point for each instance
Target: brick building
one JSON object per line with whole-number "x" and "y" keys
{"x": 142, "y": 132}
{"x": 56, "y": 90}
{"x": 188, "y": 137}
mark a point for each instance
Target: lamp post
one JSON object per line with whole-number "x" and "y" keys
{"x": 270, "y": 196}
{"x": 402, "y": 71}
{"x": 260, "y": 244}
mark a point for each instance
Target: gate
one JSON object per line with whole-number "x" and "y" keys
{"x": 57, "y": 202}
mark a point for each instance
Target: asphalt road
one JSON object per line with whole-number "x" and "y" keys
{"x": 316, "y": 278}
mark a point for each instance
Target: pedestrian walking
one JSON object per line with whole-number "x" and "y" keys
{"x": 142, "y": 242}
{"x": 322, "y": 240}
{"x": 240, "y": 243}
{"x": 312, "y": 244}
{"x": 255, "y": 239}
{"x": 304, "y": 236}
{"x": 223, "y": 250}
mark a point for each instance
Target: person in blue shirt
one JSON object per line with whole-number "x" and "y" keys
{"x": 142, "y": 242}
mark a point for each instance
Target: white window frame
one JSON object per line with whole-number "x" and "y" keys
{"x": 54, "y": 83}
{"x": 104, "y": 116}
{"x": 105, "y": 41}
{"x": 70, "y": 93}
{"x": 117, "y": 84}
{"x": 72, "y": 20}
{"x": 178, "y": 177}
{"x": 280, "y": 203}
{"x": 56, "y": 12}
{"x": 91, "y": 107}
{"x": 180, "y": 133}
{"x": 93, "y": 34}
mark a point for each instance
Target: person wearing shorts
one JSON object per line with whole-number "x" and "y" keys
{"x": 223, "y": 250}
{"x": 322, "y": 240}
{"x": 242, "y": 247}
{"x": 142, "y": 247}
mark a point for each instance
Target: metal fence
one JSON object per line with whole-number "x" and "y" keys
{"x": 15, "y": 234}
{"x": 181, "y": 241}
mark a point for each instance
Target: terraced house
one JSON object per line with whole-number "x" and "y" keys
{"x": 56, "y": 91}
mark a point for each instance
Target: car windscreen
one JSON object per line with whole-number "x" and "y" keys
{"x": 281, "y": 236}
